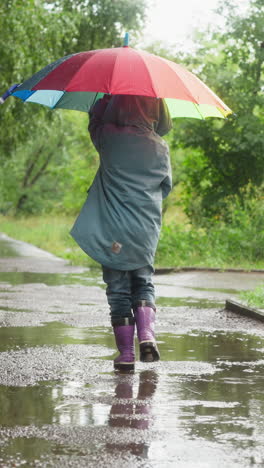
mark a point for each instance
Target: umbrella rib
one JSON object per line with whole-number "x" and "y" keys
{"x": 152, "y": 84}
{"x": 198, "y": 110}
{"x": 54, "y": 107}
{"x": 115, "y": 66}
{"x": 79, "y": 70}
{"x": 218, "y": 101}
{"x": 110, "y": 86}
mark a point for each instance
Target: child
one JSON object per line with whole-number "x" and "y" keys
{"x": 119, "y": 224}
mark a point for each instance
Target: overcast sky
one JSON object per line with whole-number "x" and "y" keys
{"x": 173, "y": 21}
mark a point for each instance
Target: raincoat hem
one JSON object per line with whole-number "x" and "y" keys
{"x": 111, "y": 264}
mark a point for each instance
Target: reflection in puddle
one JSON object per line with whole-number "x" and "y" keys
{"x": 189, "y": 302}
{"x": 27, "y": 450}
{"x": 127, "y": 412}
{"x": 224, "y": 290}
{"x": 11, "y": 309}
{"x": 50, "y": 334}
{"x": 90, "y": 278}
{"x": 210, "y": 347}
{"x": 53, "y": 333}
{"x": 23, "y": 406}
{"x": 177, "y": 401}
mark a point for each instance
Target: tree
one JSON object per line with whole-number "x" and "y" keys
{"x": 102, "y": 23}
{"x": 225, "y": 157}
{"x": 32, "y": 138}
{"x": 30, "y": 37}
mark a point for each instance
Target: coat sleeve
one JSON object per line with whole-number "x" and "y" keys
{"x": 96, "y": 121}
{"x": 164, "y": 123}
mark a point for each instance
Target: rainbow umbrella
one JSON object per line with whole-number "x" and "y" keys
{"x": 77, "y": 80}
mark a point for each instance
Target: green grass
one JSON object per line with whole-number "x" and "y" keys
{"x": 254, "y": 298}
{"x": 180, "y": 245}
{"x": 50, "y": 233}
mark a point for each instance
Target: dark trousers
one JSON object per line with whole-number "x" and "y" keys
{"x": 126, "y": 290}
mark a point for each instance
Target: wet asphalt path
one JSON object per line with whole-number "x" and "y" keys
{"x": 61, "y": 404}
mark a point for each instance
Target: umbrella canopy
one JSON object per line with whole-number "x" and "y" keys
{"x": 77, "y": 80}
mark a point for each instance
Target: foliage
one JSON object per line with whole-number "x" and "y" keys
{"x": 236, "y": 238}
{"x": 102, "y": 23}
{"x": 224, "y": 157}
{"x": 30, "y": 37}
{"x": 220, "y": 246}
{"x": 27, "y": 182}
{"x": 255, "y": 297}
{"x": 39, "y": 148}
{"x": 177, "y": 157}
{"x": 81, "y": 165}
{"x": 233, "y": 245}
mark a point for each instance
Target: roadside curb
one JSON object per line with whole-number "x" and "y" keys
{"x": 244, "y": 310}
{"x": 165, "y": 270}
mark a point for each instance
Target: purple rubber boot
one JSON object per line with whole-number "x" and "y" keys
{"x": 124, "y": 336}
{"x": 145, "y": 320}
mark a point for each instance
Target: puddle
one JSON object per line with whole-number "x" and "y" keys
{"x": 22, "y": 406}
{"x": 189, "y": 302}
{"x": 28, "y": 451}
{"x": 52, "y": 279}
{"x": 211, "y": 347}
{"x": 54, "y": 333}
{"x": 174, "y": 409}
{"x": 224, "y": 290}
{"x": 11, "y": 309}
{"x": 196, "y": 345}
{"x": 63, "y": 405}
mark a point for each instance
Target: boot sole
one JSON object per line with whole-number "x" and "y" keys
{"x": 148, "y": 351}
{"x": 124, "y": 366}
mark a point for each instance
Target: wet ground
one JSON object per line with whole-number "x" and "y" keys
{"x": 61, "y": 404}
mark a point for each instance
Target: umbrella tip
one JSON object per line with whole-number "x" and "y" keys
{"x": 8, "y": 93}
{"x": 126, "y": 39}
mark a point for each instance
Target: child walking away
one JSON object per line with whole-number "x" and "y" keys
{"x": 120, "y": 222}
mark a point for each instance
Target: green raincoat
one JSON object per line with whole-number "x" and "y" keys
{"x": 119, "y": 223}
